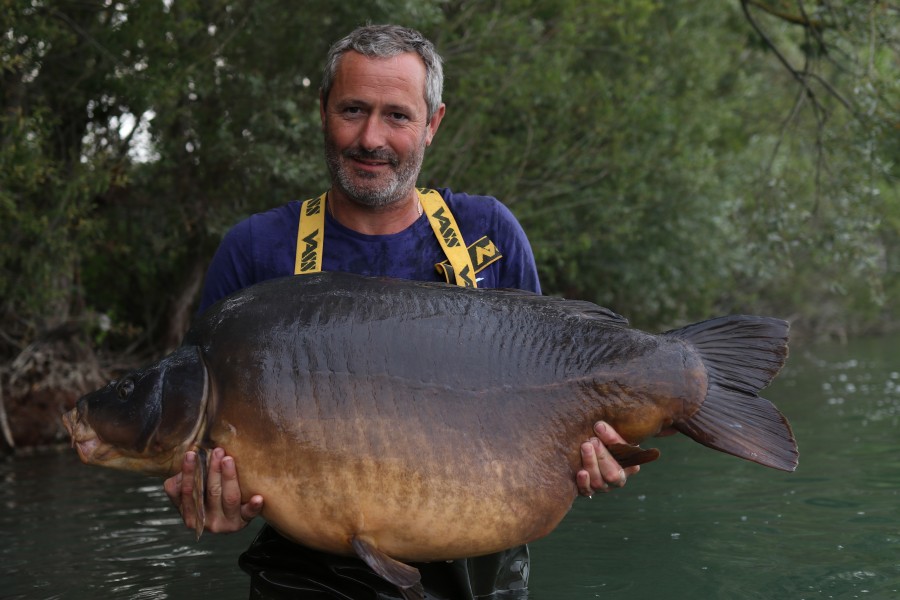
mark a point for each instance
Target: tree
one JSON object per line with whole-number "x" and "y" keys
{"x": 134, "y": 134}
{"x": 670, "y": 160}
{"x": 843, "y": 239}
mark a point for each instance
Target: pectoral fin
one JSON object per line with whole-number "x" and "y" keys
{"x": 405, "y": 577}
{"x": 199, "y": 495}
{"x": 628, "y": 456}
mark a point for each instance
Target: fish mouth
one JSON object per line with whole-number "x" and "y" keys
{"x": 94, "y": 450}
{"x": 84, "y": 439}
{"x": 70, "y": 422}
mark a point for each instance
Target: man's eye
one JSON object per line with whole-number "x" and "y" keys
{"x": 399, "y": 116}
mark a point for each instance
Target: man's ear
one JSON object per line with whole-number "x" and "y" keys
{"x": 434, "y": 123}
{"x": 322, "y": 109}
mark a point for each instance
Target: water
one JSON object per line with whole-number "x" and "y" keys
{"x": 694, "y": 524}
{"x": 68, "y": 531}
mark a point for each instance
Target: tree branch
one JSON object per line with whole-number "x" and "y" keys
{"x": 804, "y": 76}
{"x": 802, "y": 19}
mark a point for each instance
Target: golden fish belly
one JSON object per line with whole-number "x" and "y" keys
{"x": 434, "y": 495}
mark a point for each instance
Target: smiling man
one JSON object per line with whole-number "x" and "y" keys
{"x": 380, "y": 106}
{"x": 377, "y": 125}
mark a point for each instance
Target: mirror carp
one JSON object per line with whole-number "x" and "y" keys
{"x": 410, "y": 421}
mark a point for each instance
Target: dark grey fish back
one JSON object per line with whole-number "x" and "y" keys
{"x": 464, "y": 338}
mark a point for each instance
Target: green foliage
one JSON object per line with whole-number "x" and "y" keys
{"x": 46, "y": 193}
{"x": 614, "y": 171}
{"x": 823, "y": 194}
{"x": 661, "y": 161}
{"x": 668, "y": 159}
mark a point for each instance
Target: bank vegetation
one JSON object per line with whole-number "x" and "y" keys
{"x": 671, "y": 160}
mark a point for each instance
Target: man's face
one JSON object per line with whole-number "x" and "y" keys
{"x": 376, "y": 127}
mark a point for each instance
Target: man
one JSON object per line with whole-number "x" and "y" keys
{"x": 380, "y": 107}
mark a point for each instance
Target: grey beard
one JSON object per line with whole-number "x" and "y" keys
{"x": 403, "y": 178}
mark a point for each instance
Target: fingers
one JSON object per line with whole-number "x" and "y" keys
{"x": 235, "y": 512}
{"x": 215, "y": 512}
{"x": 184, "y": 495}
{"x": 600, "y": 471}
{"x": 229, "y": 489}
{"x": 583, "y": 481}
{"x": 224, "y": 511}
{"x": 172, "y": 487}
{"x": 252, "y": 508}
{"x": 607, "y": 436}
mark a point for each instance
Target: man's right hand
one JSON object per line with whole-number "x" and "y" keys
{"x": 224, "y": 511}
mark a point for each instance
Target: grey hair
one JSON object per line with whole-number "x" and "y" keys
{"x": 386, "y": 41}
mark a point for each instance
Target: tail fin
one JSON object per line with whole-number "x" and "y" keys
{"x": 742, "y": 355}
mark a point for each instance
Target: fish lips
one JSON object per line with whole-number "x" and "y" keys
{"x": 93, "y": 450}
{"x": 84, "y": 438}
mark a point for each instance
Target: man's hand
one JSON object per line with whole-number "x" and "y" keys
{"x": 600, "y": 471}
{"x": 224, "y": 511}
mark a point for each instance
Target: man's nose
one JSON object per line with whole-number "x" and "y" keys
{"x": 374, "y": 133}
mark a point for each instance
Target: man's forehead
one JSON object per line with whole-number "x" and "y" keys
{"x": 401, "y": 76}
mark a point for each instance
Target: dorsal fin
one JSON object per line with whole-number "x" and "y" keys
{"x": 581, "y": 308}
{"x": 597, "y": 312}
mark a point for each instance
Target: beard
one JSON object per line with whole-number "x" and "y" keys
{"x": 370, "y": 189}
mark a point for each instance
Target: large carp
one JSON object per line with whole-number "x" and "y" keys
{"x": 410, "y": 421}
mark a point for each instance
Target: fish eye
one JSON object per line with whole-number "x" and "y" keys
{"x": 124, "y": 389}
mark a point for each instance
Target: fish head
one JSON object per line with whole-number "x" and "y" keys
{"x": 145, "y": 420}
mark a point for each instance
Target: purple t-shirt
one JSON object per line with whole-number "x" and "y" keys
{"x": 264, "y": 246}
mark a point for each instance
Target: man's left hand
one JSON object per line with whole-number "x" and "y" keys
{"x": 600, "y": 471}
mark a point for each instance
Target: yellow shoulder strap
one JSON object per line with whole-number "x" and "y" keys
{"x": 310, "y": 236}
{"x": 458, "y": 268}
{"x": 460, "y": 271}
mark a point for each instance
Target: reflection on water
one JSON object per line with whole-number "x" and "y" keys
{"x": 70, "y": 531}
{"x": 694, "y": 524}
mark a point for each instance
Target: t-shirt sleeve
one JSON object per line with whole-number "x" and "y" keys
{"x": 517, "y": 268}
{"x": 485, "y": 215}
{"x": 231, "y": 268}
